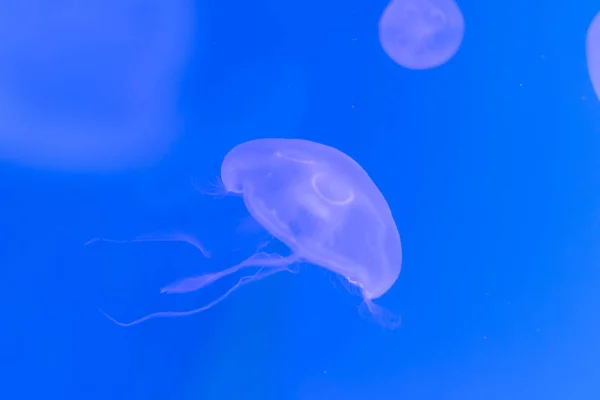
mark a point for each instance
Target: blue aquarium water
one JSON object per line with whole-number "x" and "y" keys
{"x": 469, "y": 128}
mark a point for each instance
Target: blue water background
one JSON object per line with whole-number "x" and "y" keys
{"x": 490, "y": 165}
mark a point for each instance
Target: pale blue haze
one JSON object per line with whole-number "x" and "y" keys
{"x": 490, "y": 165}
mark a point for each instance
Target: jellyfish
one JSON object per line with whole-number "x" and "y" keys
{"x": 593, "y": 53}
{"x": 421, "y": 34}
{"x": 322, "y": 205}
{"x": 90, "y": 86}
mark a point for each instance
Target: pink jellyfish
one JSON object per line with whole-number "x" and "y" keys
{"x": 322, "y": 205}
{"x": 90, "y": 85}
{"x": 593, "y": 53}
{"x": 421, "y": 34}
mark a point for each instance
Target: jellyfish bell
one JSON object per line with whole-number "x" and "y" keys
{"x": 321, "y": 204}
{"x": 421, "y": 34}
{"x": 593, "y": 53}
{"x": 349, "y": 230}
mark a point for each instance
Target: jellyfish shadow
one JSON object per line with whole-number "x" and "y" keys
{"x": 91, "y": 87}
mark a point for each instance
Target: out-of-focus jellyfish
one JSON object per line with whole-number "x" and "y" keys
{"x": 421, "y": 34}
{"x": 90, "y": 85}
{"x": 322, "y": 205}
{"x": 593, "y": 53}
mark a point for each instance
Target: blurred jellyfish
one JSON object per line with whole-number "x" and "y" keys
{"x": 421, "y": 34}
{"x": 90, "y": 85}
{"x": 322, "y": 205}
{"x": 593, "y": 53}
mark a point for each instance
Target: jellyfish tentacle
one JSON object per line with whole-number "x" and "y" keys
{"x": 194, "y": 283}
{"x": 381, "y": 315}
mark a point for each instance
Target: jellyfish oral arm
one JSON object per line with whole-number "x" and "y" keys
{"x": 269, "y": 264}
{"x": 263, "y": 260}
{"x": 190, "y": 284}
